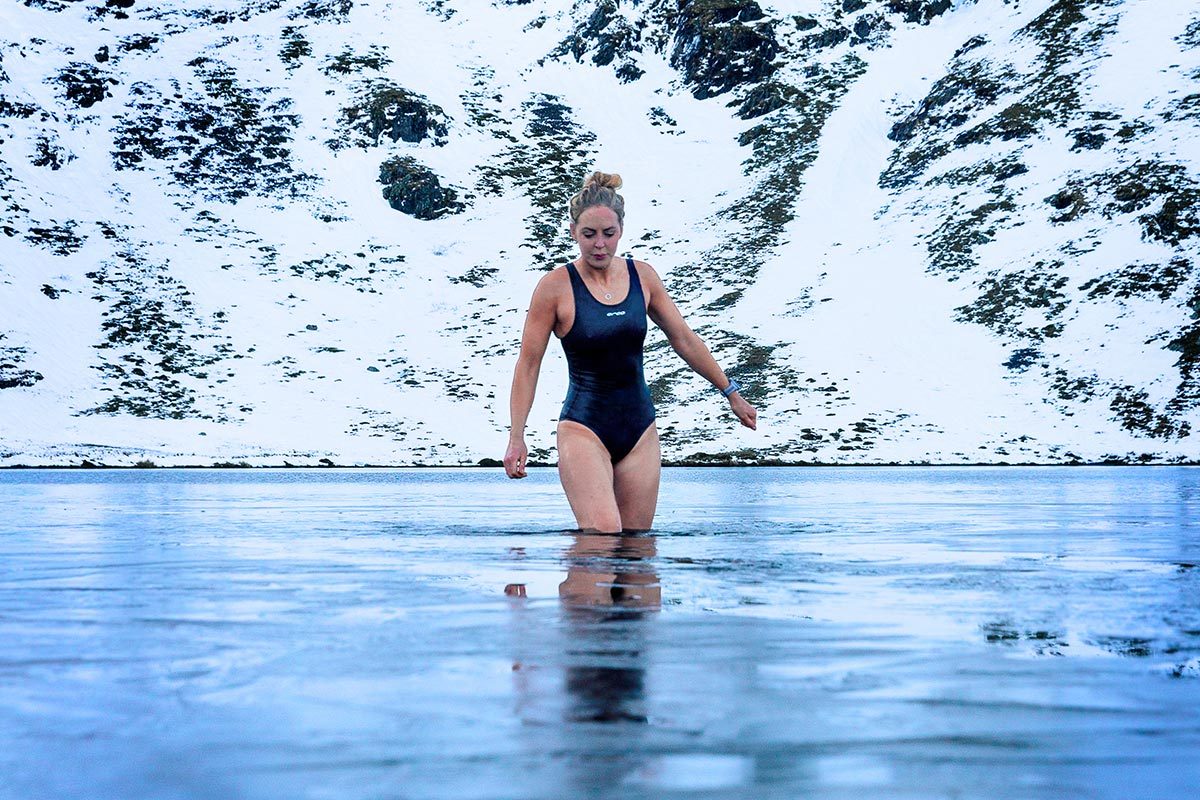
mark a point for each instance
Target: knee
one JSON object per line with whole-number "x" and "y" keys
{"x": 602, "y": 523}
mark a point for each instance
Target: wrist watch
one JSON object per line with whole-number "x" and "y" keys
{"x": 733, "y": 386}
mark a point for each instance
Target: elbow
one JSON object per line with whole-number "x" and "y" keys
{"x": 527, "y": 366}
{"x": 687, "y": 346}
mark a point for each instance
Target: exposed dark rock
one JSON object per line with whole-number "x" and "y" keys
{"x": 1190, "y": 38}
{"x": 139, "y": 43}
{"x": 805, "y": 23}
{"x": 1023, "y": 358}
{"x": 295, "y": 47}
{"x": 113, "y": 8}
{"x": 225, "y": 140}
{"x": 548, "y": 162}
{"x": 1168, "y": 194}
{"x": 969, "y": 45}
{"x": 387, "y": 110}
{"x": 1135, "y": 413}
{"x": 1069, "y": 388}
{"x": 919, "y": 10}
{"x": 20, "y": 110}
{"x": 50, "y": 291}
{"x": 12, "y": 373}
{"x": 85, "y": 84}
{"x": 953, "y": 242}
{"x": 850, "y": 6}
{"x": 1006, "y": 299}
{"x": 1070, "y": 203}
{"x": 765, "y": 98}
{"x": 951, "y": 101}
{"x": 609, "y": 37}
{"x": 61, "y": 240}
{"x": 11, "y": 377}
{"x": 49, "y": 153}
{"x": 825, "y": 39}
{"x": 659, "y": 118}
{"x": 156, "y": 350}
{"x": 716, "y": 48}
{"x": 414, "y": 189}
{"x": 1019, "y": 121}
{"x": 1187, "y": 344}
{"x": 323, "y": 9}
{"x": 101, "y": 55}
{"x": 350, "y": 63}
{"x": 783, "y": 149}
{"x": 1160, "y": 280}
{"x": 871, "y": 29}
{"x": 1088, "y": 138}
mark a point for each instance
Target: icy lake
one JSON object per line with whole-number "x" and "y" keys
{"x": 802, "y": 632}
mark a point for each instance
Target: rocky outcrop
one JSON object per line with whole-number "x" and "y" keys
{"x": 609, "y": 37}
{"x": 414, "y": 189}
{"x": 323, "y": 9}
{"x": 156, "y": 350}
{"x": 12, "y": 373}
{"x": 919, "y": 10}
{"x": 723, "y": 44}
{"x": 385, "y": 110}
{"x": 84, "y": 84}
{"x": 546, "y": 160}
{"x": 223, "y": 139}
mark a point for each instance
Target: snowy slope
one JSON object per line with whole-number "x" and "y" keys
{"x": 918, "y": 231}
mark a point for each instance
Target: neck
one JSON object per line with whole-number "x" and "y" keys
{"x": 599, "y": 272}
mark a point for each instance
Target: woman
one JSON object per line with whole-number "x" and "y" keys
{"x": 608, "y": 455}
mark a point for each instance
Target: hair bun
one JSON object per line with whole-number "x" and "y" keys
{"x": 604, "y": 180}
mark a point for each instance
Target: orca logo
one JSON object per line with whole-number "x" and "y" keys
{"x": 615, "y": 314}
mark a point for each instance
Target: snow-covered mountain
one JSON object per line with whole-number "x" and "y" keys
{"x": 305, "y": 231}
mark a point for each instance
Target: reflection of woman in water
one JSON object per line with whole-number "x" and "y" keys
{"x": 609, "y": 589}
{"x": 608, "y": 455}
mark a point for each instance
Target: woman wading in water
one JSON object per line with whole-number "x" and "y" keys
{"x": 608, "y": 456}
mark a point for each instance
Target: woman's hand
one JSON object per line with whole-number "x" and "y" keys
{"x": 744, "y": 411}
{"x": 516, "y": 457}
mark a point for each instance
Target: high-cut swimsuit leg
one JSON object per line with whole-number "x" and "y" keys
{"x": 607, "y": 391}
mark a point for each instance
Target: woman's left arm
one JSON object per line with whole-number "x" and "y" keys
{"x": 690, "y": 347}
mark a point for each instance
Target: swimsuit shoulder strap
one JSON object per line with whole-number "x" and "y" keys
{"x": 577, "y": 283}
{"x": 635, "y": 283}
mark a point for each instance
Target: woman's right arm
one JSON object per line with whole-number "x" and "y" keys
{"x": 539, "y": 322}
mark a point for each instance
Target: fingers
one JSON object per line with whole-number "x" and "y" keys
{"x": 514, "y": 467}
{"x": 747, "y": 415}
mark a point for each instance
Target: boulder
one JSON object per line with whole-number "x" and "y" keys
{"x": 387, "y": 110}
{"x": 414, "y": 189}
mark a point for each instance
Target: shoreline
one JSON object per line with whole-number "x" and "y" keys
{"x": 685, "y": 464}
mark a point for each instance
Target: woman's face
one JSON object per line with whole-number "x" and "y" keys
{"x": 598, "y": 232}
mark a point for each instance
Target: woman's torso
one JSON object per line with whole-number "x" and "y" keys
{"x": 604, "y": 341}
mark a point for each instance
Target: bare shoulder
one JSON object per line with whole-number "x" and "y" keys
{"x": 552, "y": 283}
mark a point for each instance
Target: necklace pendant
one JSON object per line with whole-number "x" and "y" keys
{"x": 608, "y": 295}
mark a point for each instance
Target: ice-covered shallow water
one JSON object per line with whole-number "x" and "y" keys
{"x": 854, "y": 632}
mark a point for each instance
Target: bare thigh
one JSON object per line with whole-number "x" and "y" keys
{"x": 586, "y": 472}
{"x": 635, "y": 482}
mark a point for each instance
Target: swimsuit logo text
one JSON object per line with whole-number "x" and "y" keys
{"x": 615, "y": 314}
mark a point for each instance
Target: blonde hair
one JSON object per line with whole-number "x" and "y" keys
{"x": 600, "y": 189}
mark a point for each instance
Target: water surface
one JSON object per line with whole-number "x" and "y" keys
{"x": 854, "y": 632}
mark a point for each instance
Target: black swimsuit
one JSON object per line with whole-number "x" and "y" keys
{"x": 608, "y": 392}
